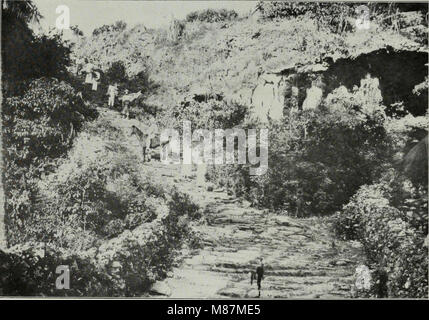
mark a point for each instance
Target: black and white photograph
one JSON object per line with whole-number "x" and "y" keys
{"x": 259, "y": 150}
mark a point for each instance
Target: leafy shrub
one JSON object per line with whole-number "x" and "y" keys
{"x": 116, "y": 72}
{"x": 98, "y": 210}
{"x": 390, "y": 219}
{"x": 26, "y": 56}
{"x": 212, "y": 15}
{"x": 332, "y": 15}
{"x": 92, "y": 187}
{"x": 113, "y": 228}
{"x": 144, "y": 255}
{"x": 207, "y": 111}
{"x": 118, "y": 26}
{"x": 176, "y": 30}
{"x": 25, "y": 272}
{"x": 43, "y": 120}
{"x": 99, "y": 190}
{"x": 38, "y": 128}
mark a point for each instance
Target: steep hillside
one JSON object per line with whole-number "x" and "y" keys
{"x": 229, "y": 58}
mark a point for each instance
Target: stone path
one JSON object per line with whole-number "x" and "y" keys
{"x": 300, "y": 258}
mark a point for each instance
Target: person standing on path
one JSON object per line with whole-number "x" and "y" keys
{"x": 125, "y": 104}
{"x": 259, "y": 274}
{"x": 299, "y": 204}
{"x": 88, "y": 70}
{"x": 95, "y": 79}
{"x": 112, "y": 92}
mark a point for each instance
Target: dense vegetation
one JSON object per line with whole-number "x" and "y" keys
{"x": 390, "y": 218}
{"x": 76, "y": 193}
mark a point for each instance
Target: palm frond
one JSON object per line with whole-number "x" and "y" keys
{"x": 24, "y": 10}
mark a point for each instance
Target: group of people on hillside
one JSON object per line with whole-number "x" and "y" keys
{"x": 93, "y": 75}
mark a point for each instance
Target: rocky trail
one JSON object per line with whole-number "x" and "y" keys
{"x": 301, "y": 257}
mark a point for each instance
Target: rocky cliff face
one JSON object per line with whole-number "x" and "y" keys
{"x": 398, "y": 73}
{"x": 267, "y": 64}
{"x": 292, "y": 87}
{"x": 268, "y": 98}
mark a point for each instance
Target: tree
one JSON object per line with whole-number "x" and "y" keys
{"x": 14, "y": 14}
{"x": 116, "y": 72}
{"x": 2, "y": 215}
{"x": 25, "y": 10}
{"x": 37, "y": 130}
{"x": 212, "y": 15}
{"x": 76, "y": 31}
{"x": 26, "y": 56}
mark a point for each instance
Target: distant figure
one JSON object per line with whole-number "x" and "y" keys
{"x": 299, "y": 204}
{"x": 88, "y": 70}
{"x": 126, "y": 100}
{"x": 95, "y": 80}
{"x": 259, "y": 275}
{"x": 112, "y": 91}
{"x": 142, "y": 138}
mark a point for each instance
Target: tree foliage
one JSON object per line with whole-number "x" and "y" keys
{"x": 38, "y": 128}
{"x": 26, "y": 56}
{"x": 212, "y": 15}
{"x": 390, "y": 219}
{"x": 118, "y": 26}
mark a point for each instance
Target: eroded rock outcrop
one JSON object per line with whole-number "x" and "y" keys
{"x": 286, "y": 88}
{"x": 305, "y": 87}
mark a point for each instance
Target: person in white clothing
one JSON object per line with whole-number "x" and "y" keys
{"x": 95, "y": 80}
{"x": 112, "y": 91}
{"x": 88, "y": 70}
